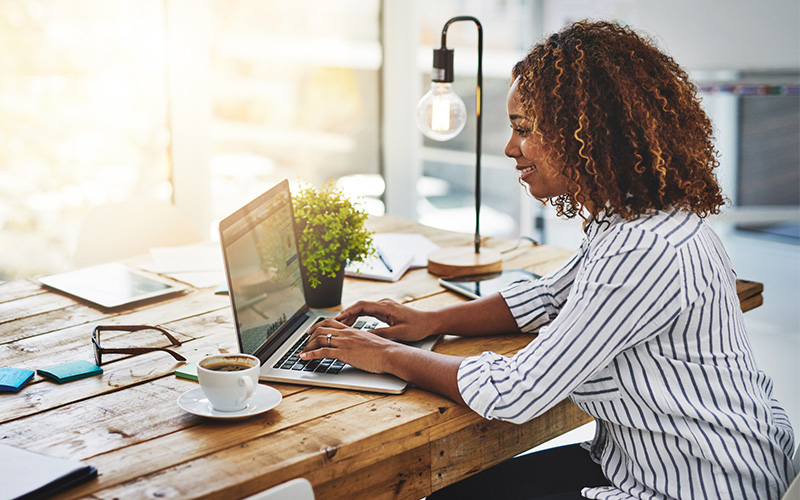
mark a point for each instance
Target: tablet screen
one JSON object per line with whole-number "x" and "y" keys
{"x": 482, "y": 285}
{"x": 110, "y": 285}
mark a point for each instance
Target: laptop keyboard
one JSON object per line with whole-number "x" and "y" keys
{"x": 291, "y": 360}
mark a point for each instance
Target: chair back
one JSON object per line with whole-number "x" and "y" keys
{"x": 296, "y": 489}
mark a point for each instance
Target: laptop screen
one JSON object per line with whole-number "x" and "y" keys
{"x": 263, "y": 267}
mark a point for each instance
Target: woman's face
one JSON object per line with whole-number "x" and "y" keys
{"x": 534, "y": 164}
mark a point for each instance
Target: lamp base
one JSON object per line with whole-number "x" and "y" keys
{"x": 461, "y": 261}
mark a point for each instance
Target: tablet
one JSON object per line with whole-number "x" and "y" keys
{"x": 481, "y": 285}
{"x": 111, "y": 285}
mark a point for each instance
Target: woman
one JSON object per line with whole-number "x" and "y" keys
{"x": 641, "y": 328}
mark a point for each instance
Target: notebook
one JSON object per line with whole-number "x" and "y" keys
{"x": 396, "y": 253}
{"x": 387, "y": 264}
{"x": 28, "y": 475}
{"x": 262, "y": 268}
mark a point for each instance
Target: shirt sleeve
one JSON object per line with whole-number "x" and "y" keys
{"x": 536, "y": 303}
{"x": 623, "y": 293}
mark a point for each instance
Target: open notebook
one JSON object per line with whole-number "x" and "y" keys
{"x": 396, "y": 254}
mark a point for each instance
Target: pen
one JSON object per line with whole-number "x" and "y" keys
{"x": 380, "y": 256}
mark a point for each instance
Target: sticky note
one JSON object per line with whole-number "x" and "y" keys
{"x": 70, "y": 371}
{"x": 188, "y": 371}
{"x": 12, "y": 379}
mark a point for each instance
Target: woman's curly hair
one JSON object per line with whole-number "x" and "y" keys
{"x": 623, "y": 120}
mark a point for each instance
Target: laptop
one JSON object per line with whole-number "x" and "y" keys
{"x": 262, "y": 267}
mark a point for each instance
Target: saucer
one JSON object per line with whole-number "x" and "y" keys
{"x": 195, "y": 402}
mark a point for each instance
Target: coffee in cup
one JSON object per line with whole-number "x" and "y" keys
{"x": 228, "y": 380}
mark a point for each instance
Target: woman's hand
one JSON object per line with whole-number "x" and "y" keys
{"x": 404, "y": 322}
{"x": 364, "y": 350}
{"x": 373, "y": 353}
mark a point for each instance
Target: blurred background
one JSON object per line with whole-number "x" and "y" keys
{"x": 204, "y": 104}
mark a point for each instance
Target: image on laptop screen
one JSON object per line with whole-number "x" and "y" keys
{"x": 264, "y": 271}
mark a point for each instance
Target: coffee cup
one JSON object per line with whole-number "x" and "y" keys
{"x": 228, "y": 380}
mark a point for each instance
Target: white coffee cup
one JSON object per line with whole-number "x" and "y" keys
{"x": 228, "y": 380}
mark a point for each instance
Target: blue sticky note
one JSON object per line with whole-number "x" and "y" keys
{"x": 70, "y": 371}
{"x": 12, "y": 379}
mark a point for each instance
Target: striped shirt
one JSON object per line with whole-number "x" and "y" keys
{"x": 642, "y": 329}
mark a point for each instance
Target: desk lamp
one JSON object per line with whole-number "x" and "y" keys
{"x": 441, "y": 115}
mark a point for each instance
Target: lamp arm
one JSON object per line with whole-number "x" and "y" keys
{"x": 478, "y": 109}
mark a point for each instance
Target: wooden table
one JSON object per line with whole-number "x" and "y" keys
{"x": 348, "y": 444}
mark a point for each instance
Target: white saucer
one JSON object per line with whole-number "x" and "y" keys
{"x": 195, "y": 402}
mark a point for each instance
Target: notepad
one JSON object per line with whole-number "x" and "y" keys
{"x": 418, "y": 245}
{"x": 68, "y": 372}
{"x": 396, "y": 254}
{"x": 29, "y": 475}
{"x": 385, "y": 265}
{"x": 12, "y": 379}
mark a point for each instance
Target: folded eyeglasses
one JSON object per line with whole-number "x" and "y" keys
{"x": 100, "y": 350}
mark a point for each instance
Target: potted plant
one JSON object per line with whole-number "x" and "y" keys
{"x": 331, "y": 232}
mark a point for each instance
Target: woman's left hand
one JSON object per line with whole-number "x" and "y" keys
{"x": 359, "y": 348}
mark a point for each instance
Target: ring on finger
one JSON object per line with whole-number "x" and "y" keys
{"x": 329, "y": 339}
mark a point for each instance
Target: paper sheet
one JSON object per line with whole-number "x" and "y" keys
{"x": 196, "y": 265}
{"x": 415, "y": 244}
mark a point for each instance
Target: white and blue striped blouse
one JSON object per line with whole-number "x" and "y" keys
{"x": 642, "y": 329}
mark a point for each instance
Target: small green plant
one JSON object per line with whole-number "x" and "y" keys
{"x": 331, "y": 229}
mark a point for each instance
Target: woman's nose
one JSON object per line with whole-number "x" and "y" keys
{"x": 512, "y": 147}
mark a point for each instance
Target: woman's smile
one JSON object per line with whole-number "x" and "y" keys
{"x": 526, "y": 173}
{"x": 533, "y": 163}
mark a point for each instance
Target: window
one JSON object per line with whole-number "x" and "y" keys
{"x": 82, "y": 120}
{"x": 295, "y": 95}
{"x": 101, "y": 101}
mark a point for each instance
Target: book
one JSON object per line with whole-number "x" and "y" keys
{"x": 26, "y": 475}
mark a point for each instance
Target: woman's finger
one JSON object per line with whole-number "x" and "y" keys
{"x": 322, "y": 352}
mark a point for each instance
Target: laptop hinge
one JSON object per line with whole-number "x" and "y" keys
{"x": 283, "y": 333}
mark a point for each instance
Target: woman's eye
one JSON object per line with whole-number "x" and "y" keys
{"x": 520, "y": 131}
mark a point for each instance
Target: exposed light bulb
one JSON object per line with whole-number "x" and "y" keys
{"x": 441, "y": 114}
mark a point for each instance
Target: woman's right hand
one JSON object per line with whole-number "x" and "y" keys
{"x": 405, "y": 323}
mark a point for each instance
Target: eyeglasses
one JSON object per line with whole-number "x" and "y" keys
{"x": 100, "y": 350}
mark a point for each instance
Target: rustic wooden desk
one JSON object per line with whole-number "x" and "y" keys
{"x": 348, "y": 444}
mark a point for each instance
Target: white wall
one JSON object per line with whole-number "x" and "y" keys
{"x": 727, "y": 34}
{"x": 702, "y": 34}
